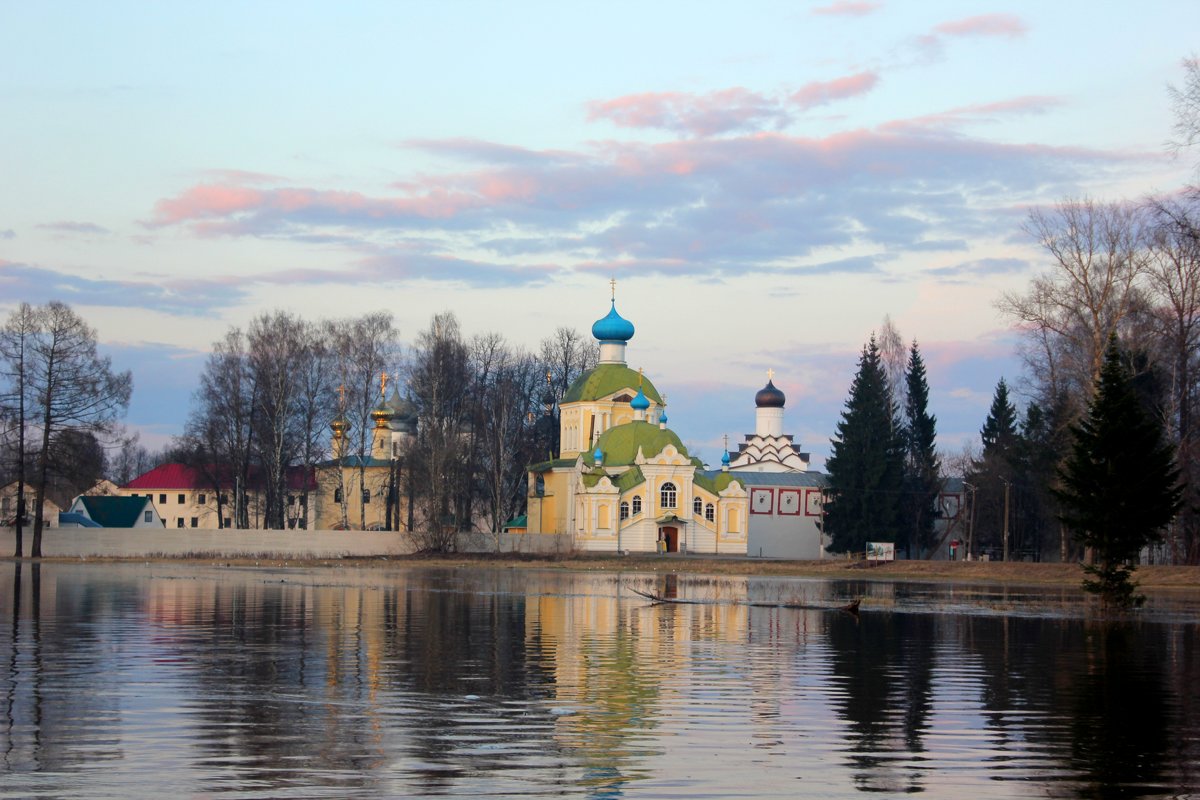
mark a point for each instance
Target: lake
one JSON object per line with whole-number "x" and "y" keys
{"x": 175, "y": 679}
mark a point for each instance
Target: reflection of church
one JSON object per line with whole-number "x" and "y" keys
{"x": 623, "y": 480}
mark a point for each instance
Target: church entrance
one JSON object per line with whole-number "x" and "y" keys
{"x": 670, "y": 538}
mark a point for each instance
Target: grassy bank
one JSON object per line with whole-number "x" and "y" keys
{"x": 1012, "y": 573}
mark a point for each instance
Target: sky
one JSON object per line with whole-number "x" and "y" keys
{"x": 765, "y": 182}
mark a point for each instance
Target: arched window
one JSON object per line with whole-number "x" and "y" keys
{"x": 637, "y": 505}
{"x": 337, "y": 495}
{"x": 710, "y": 513}
{"x": 697, "y": 506}
{"x": 667, "y": 495}
{"x": 602, "y": 516}
{"x": 624, "y": 510}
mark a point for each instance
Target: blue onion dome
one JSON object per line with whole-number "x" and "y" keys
{"x": 769, "y": 396}
{"x": 598, "y": 455}
{"x": 725, "y": 459}
{"x": 640, "y": 402}
{"x": 613, "y": 327}
{"x": 663, "y": 416}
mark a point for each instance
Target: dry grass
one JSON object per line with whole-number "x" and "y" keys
{"x": 1012, "y": 573}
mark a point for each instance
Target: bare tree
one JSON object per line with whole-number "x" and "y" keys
{"x": 441, "y": 384}
{"x": 1186, "y": 102}
{"x": 363, "y": 349}
{"x": 1173, "y": 245}
{"x": 894, "y": 354}
{"x": 566, "y": 355}
{"x": 507, "y": 382}
{"x": 73, "y": 390}
{"x": 1089, "y": 291}
{"x": 16, "y": 339}
{"x": 277, "y": 347}
{"x": 219, "y": 435}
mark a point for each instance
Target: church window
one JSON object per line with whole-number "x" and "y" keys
{"x": 366, "y": 496}
{"x": 697, "y": 506}
{"x": 710, "y": 513}
{"x": 602, "y": 516}
{"x": 667, "y": 495}
{"x": 732, "y": 524}
{"x": 637, "y": 505}
{"x": 337, "y": 495}
{"x": 624, "y": 510}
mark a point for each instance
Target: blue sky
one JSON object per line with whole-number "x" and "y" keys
{"x": 765, "y": 182}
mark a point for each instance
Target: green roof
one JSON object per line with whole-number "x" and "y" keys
{"x": 115, "y": 512}
{"x": 620, "y": 444}
{"x": 629, "y": 479}
{"x": 608, "y": 379}
{"x": 624, "y": 482}
{"x": 555, "y": 463}
{"x": 717, "y": 483}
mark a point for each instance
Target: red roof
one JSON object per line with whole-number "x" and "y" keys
{"x": 181, "y": 476}
{"x": 168, "y": 476}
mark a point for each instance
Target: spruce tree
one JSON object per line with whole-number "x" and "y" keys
{"x": 865, "y": 465}
{"x": 922, "y": 470}
{"x": 999, "y": 432}
{"x": 993, "y": 473}
{"x": 1120, "y": 486}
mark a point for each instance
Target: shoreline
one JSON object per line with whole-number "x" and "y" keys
{"x": 1151, "y": 577}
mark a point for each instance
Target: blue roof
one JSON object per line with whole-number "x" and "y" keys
{"x": 69, "y": 518}
{"x": 613, "y": 327}
{"x": 816, "y": 479}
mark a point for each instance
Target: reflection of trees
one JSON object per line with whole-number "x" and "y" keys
{"x": 883, "y": 665}
{"x": 1091, "y": 697}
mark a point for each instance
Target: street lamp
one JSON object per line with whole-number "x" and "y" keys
{"x": 972, "y": 488}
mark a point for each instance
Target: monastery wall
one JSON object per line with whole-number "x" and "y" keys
{"x": 297, "y": 544}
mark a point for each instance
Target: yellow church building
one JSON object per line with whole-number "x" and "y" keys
{"x": 623, "y": 481}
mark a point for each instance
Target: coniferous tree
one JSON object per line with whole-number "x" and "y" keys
{"x": 993, "y": 473}
{"x": 922, "y": 469}
{"x": 1120, "y": 484}
{"x": 866, "y": 463}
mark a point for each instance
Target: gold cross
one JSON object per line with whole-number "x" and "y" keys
{"x": 770, "y": 375}
{"x": 639, "y": 377}
{"x": 613, "y": 284}
{"x": 383, "y": 376}
{"x": 547, "y": 377}
{"x": 342, "y": 395}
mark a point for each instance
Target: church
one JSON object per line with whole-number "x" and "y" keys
{"x": 624, "y": 482}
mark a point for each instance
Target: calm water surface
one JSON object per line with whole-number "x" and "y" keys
{"x": 124, "y": 681}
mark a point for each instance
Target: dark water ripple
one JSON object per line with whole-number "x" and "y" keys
{"x": 144, "y": 681}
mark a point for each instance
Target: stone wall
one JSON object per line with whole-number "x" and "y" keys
{"x": 297, "y": 544}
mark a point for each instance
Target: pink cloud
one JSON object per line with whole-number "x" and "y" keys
{"x": 981, "y": 112}
{"x": 847, "y": 8}
{"x": 714, "y": 113}
{"x": 1009, "y": 25}
{"x": 820, "y": 93}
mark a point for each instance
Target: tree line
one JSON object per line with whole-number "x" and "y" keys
{"x": 483, "y": 406}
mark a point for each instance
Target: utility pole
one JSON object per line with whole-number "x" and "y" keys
{"x": 1007, "y": 485}
{"x": 971, "y": 528}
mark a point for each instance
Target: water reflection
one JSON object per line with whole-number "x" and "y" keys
{"x": 125, "y": 681}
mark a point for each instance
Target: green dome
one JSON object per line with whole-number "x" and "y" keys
{"x": 606, "y": 379}
{"x": 620, "y": 444}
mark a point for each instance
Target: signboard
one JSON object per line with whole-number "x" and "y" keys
{"x": 881, "y": 551}
{"x": 813, "y": 500}
{"x": 761, "y": 500}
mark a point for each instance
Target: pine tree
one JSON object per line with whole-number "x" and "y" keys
{"x": 993, "y": 473}
{"x": 922, "y": 469}
{"x": 1120, "y": 486}
{"x": 999, "y": 432}
{"x": 865, "y": 465}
